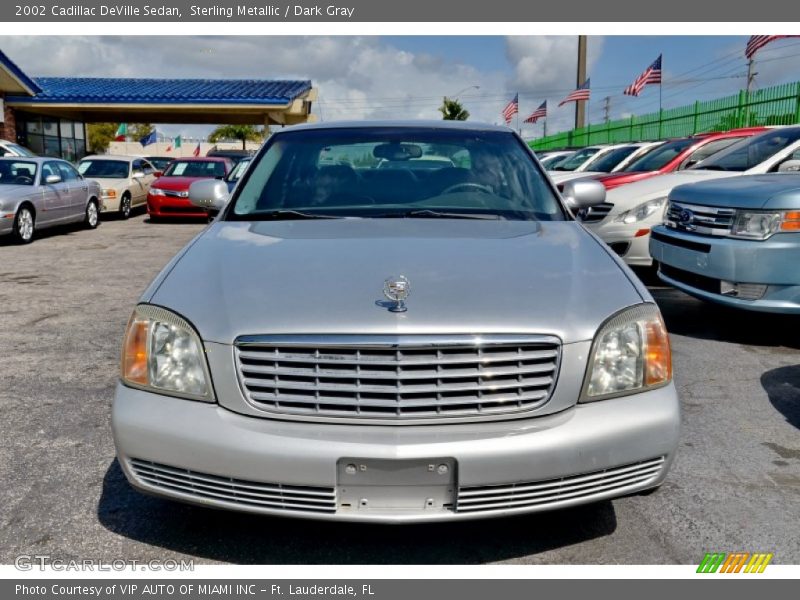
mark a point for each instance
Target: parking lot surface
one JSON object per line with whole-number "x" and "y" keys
{"x": 64, "y": 303}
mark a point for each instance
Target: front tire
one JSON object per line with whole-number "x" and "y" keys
{"x": 24, "y": 225}
{"x": 125, "y": 207}
{"x": 92, "y": 217}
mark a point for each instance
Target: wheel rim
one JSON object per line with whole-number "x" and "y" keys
{"x": 91, "y": 213}
{"x": 126, "y": 206}
{"x": 25, "y": 224}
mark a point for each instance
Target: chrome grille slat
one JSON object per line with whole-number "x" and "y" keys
{"x": 397, "y": 377}
{"x": 520, "y": 495}
{"x": 203, "y": 485}
{"x": 596, "y": 213}
{"x": 706, "y": 220}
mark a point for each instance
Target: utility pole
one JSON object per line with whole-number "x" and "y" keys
{"x": 607, "y": 109}
{"x": 580, "y": 106}
{"x": 751, "y": 75}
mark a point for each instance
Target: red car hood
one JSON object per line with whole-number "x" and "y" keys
{"x": 176, "y": 184}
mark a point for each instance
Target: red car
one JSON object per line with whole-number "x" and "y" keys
{"x": 676, "y": 155}
{"x": 169, "y": 194}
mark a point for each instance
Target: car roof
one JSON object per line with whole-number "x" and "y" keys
{"x": 411, "y": 124}
{"x": 36, "y": 159}
{"x": 111, "y": 157}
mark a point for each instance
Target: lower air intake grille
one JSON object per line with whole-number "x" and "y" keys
{"x": 523, "y": 495}
{"x": 237, "y": 491}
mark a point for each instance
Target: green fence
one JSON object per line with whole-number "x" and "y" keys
{"x": 779, "y": 105}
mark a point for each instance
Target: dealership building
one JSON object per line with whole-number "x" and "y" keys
{"x": 49, "y": 114}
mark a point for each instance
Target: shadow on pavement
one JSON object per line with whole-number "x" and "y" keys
{"x": 249, "y": 539}
{"x": 783, "y": 389}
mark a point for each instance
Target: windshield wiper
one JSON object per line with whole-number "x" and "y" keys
{"x": 710, "y": 168}
{"x": 426, "y": 213}
{"x": 288, "y": 215}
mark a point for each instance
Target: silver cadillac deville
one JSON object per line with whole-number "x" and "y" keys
{"x": 395, "y": 344}
{"x": 39, "y": 192}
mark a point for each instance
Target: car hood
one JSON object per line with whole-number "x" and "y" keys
{"x": 627, "y": 196}
{"x": 777, "y": 191}
{"x": 312, "y": 277}
{"x": 570, "y": 175}
{"x": 176, "y": 184}
{"x": 110, "y": 182}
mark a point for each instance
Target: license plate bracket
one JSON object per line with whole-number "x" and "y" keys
{"x": 388, "y": 485}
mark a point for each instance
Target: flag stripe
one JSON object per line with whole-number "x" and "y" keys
{"x": 756, "y": 42}
{"x": 511, "y": 109}
{"x": 582, "y": 93}
{"x": 538, "y": 113}
{"x": 651, "y": 75}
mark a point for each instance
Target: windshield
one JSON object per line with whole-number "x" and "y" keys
{"x": 15, "y": 149}
{"x": 609, "y": 160}
{"x": 340, "y": 172}
{"x": 549, "y": 162}
{"x": 104, "y": 169}
{"x": 195, "y": 168}
{"x": 573, "y": 161}
{"x": 17, "y": 172}
{"x": 238, "y": 170}
{"x": 660, "y": 157}
{"x": 159, "y": 162}
{"x": 751, "y": 152}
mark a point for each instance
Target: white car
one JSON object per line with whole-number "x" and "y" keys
{"x": 11, "y": 149}
{"x": 551, "y": 158}
{"x": 581, "y": 159}
{"x": 603, "y": 163}
{"x": 637, "y": 207}
{"x": 125, "y": 181}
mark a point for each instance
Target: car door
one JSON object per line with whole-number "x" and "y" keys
{"x": 56, "y": 194}
{"x": 148, "y": 179}
{"x": 77, "y": 190}
{"x": 139, "y": 185}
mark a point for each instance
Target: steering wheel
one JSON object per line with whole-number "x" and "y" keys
{"x": 23, "y": 179}
{"x": 468, "y": 186}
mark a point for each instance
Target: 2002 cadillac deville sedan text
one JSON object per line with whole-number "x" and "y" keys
{"x": 395, "y": 322}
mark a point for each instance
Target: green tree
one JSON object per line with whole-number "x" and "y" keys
{"x": 452, "y": 110}
{"x": 243, "y": 133}
{"x": 102, "y": 134}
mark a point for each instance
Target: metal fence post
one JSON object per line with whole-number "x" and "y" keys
{"x": 696, "y": 116}
{"x": 740, "y": 112}
{"x": 630, "y": 131}
{"x": 797, "y": 104}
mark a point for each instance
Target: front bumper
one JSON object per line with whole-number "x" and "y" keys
{"x": 6, "y": 222}
{"x": 205, "y": 454}
{"x": 110, "y": 203}
{"x": 172, "y": 206}
{"x": 630, "y": 241}
{"x": 772, "y": 263}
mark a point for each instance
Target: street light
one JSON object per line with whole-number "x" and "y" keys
{"x": 456, "y": 95}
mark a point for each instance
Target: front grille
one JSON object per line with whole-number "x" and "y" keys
{"x": 529, "y": 494}
{"x": 238, "y": 491}
{"x": 703, "y": 220}
{"x": 397, "y": 377}
{"x": 596, "y": 213}
{"x": 700, "y": 282}
{"x": 176, "y": 194}
{"x": 180, "y": 210}
{"x": 680, "y": 242}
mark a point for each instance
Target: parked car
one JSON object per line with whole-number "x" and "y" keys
{"x": 734, "y": 241}
{"x": 632, "y": 210}
{"x": 676, "y": 155}
{"x": 40, "y": 192}
{"x": 551, "y": 159}
{"x": 232, "y": 154}
{"x": 607, "y": 162}
{"x": 580, "y": 159}
{"x": 235, "y": 174}
{"x": 159, "y": 162}
{"x": 169, "y": 194}
{"x": 363, "y": 344}
{"x": 11, "y": 149}
{"x": 125, "y": 181}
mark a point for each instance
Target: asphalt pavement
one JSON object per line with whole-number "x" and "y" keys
{"x": 64, "y": 303}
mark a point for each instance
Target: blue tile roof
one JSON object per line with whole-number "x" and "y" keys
{"x": 17, "y": 72}
{"x": 104, "y": 90}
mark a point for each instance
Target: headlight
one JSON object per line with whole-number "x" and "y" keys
{"x": 157, "y": 191}
{"x": 630, "y": 354}
{"x": 641, "y": 212}
{"x": 163, "y": 353}
{"x": 759, "y": 225}
{"x": 109, "y": 193}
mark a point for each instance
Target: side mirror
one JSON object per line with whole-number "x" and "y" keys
{"x": 583, "y": 193}
{"x": 158, "y": 173}
{"x": 209, "y": 194}
{"x": 51, "y": 179}
{"x": 789, "y": 166}
{"x": 138, "y": 174}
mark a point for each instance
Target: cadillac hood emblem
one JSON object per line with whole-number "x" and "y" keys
{"x": 397, "y": 289}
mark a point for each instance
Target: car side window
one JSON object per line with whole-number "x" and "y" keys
{"x": 147, "y": 168}
{"x": 138, "y": 167}
{"x": 48, "y": 169}
{"x": 707, "y": 150}
{"x": 67, "y": 172}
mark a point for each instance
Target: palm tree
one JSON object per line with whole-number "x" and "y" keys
{"x": 245, "y": 133}
{"x": 452, "y": 110}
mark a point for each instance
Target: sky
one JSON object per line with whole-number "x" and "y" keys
{"x": 367, "y": 77}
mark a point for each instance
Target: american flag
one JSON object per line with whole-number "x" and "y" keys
{"x": 582, "y": 93}
{"x": 651, "y": 75}
{"x": 538, "y": 113}
{"x": 756, "y": 42}
{"x": 511, "y": 109}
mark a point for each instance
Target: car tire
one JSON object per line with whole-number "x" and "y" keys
{"x": 92, "y": 217}
{"x": 24, "y": 225}
{"x": 125, "y": 206}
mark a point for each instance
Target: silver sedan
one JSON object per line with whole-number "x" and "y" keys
{"x": 41, "y": 192}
